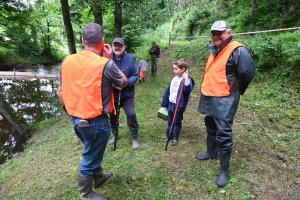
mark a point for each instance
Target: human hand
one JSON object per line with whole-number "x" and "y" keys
{"x": 117, "y": 87}
{"x": 186, "y": 75}
{"x": 107, "y": 50}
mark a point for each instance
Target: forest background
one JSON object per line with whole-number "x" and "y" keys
{"x": 265, "y": 163}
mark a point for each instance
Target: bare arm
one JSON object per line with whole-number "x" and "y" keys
{"x": 59, "y": 94}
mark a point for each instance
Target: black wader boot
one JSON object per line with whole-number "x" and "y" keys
{"x": 212, "y": 149}
{"x": 152, "y": 71}
{"x": 135, "y": 143}
{"x": 222, "y": 179}
{"x": 85, "y": 184}
{"x": 100, "y": 177}
{"x": 155, "y": 70}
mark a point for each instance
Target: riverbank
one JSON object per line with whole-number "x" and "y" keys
{"x": 265, "y": 162}
{"x": 10, "y": 60}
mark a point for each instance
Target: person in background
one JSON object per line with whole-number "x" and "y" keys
{"x": 84, "y": 91}
{"x": 126, "y": 63}
{"x": 143, "y": 68}
{"x": 229, "y": 71}
{"x": 154, "y": 53}
{"x": 182, "y": 84}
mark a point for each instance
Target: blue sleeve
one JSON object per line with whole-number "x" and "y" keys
{"x": 165, "y": 100}
{"x": 135, "y": 72}
{"x": 188, "y": 88}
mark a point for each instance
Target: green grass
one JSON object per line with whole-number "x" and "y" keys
{"x": 264, "y": 164}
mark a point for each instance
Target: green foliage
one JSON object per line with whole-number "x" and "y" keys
{"x": 9, "y": 58}
{"x": 268, "y": 52}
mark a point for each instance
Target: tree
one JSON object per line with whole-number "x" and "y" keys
{"x": 68, "y": 26}
{"x": 97, "y": 10}
{"x": 118, "y": 20}
{"x": 253, "y": 6}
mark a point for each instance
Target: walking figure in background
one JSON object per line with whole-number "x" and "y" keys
{"x": 143, "y": 68}
{"x": 177, "y": 93}
{"x": 85, "y": 92}
{"x": 154, "y": 53}
{"x": 126, "y": 63}
{"x": 229, "y": 71}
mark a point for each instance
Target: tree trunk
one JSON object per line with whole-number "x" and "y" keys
{"x": 68, "y": 26}
{"x": 98, "y": 13}
{"x": 48, "y": 41}
{"x": 253, "y": 6}
{"x": 118, "y": 20}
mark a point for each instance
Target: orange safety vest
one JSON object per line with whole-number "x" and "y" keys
{"x": 82, "y": 84}
{"x": 215, "y": 81}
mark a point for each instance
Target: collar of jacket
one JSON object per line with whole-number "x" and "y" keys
{"x": 122, "y": 55}
{"x": 215, "y": 49}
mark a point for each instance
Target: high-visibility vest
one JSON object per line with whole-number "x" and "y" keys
{"x": 82, "y": 84}
{"x": 215, "y": 81}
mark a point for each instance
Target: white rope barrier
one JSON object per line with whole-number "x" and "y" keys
{"x": 247, "y": 33}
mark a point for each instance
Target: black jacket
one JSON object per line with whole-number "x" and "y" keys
{"x": 156, "y": 51}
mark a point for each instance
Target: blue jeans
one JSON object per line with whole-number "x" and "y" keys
{"x": 94, "y": 138}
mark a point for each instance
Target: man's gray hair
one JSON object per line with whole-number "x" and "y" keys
{"x": 92, "y": 34}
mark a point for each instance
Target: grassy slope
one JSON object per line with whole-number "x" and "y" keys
{"x": 264, "y": 164}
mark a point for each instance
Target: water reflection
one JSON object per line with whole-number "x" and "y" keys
{"x": 33, "y": 100}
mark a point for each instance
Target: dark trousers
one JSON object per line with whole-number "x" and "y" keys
{"x": 178, "y": 119}
{"x": 221, "y": 130}
{"x": 154, "y": 65}
{"x": 129, "y": 109}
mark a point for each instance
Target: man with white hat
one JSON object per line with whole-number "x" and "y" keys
{"x": 229, "y": 71}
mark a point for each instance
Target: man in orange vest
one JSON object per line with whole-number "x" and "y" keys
{"x": 85, "y": 91}
{"x": 229, "y": 71}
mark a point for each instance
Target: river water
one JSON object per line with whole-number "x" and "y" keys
{"x": 30, "y": 100}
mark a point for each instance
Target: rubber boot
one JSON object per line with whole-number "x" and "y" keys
{"x": 85, "y": 184}
{"x": 212, "y": 149}
{"x": 141, "y": 80}
{"x": 100, "y": 177}
{"x": 135, "y": 143}
{"x": 112, "y": 140}
{"x": 175, "y": 140}
{"x": 166, "y": 139}
{"x": 152, "y": 71}
{"x": 222, "y": 179}
{"x": 155, "y": 72}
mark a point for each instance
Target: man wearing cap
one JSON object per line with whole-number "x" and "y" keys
{"x": 155, "y": 53}
{"x": 127, "y": 64}
{"x": 229, "y": 70}
{"x": 85, "y": 91}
